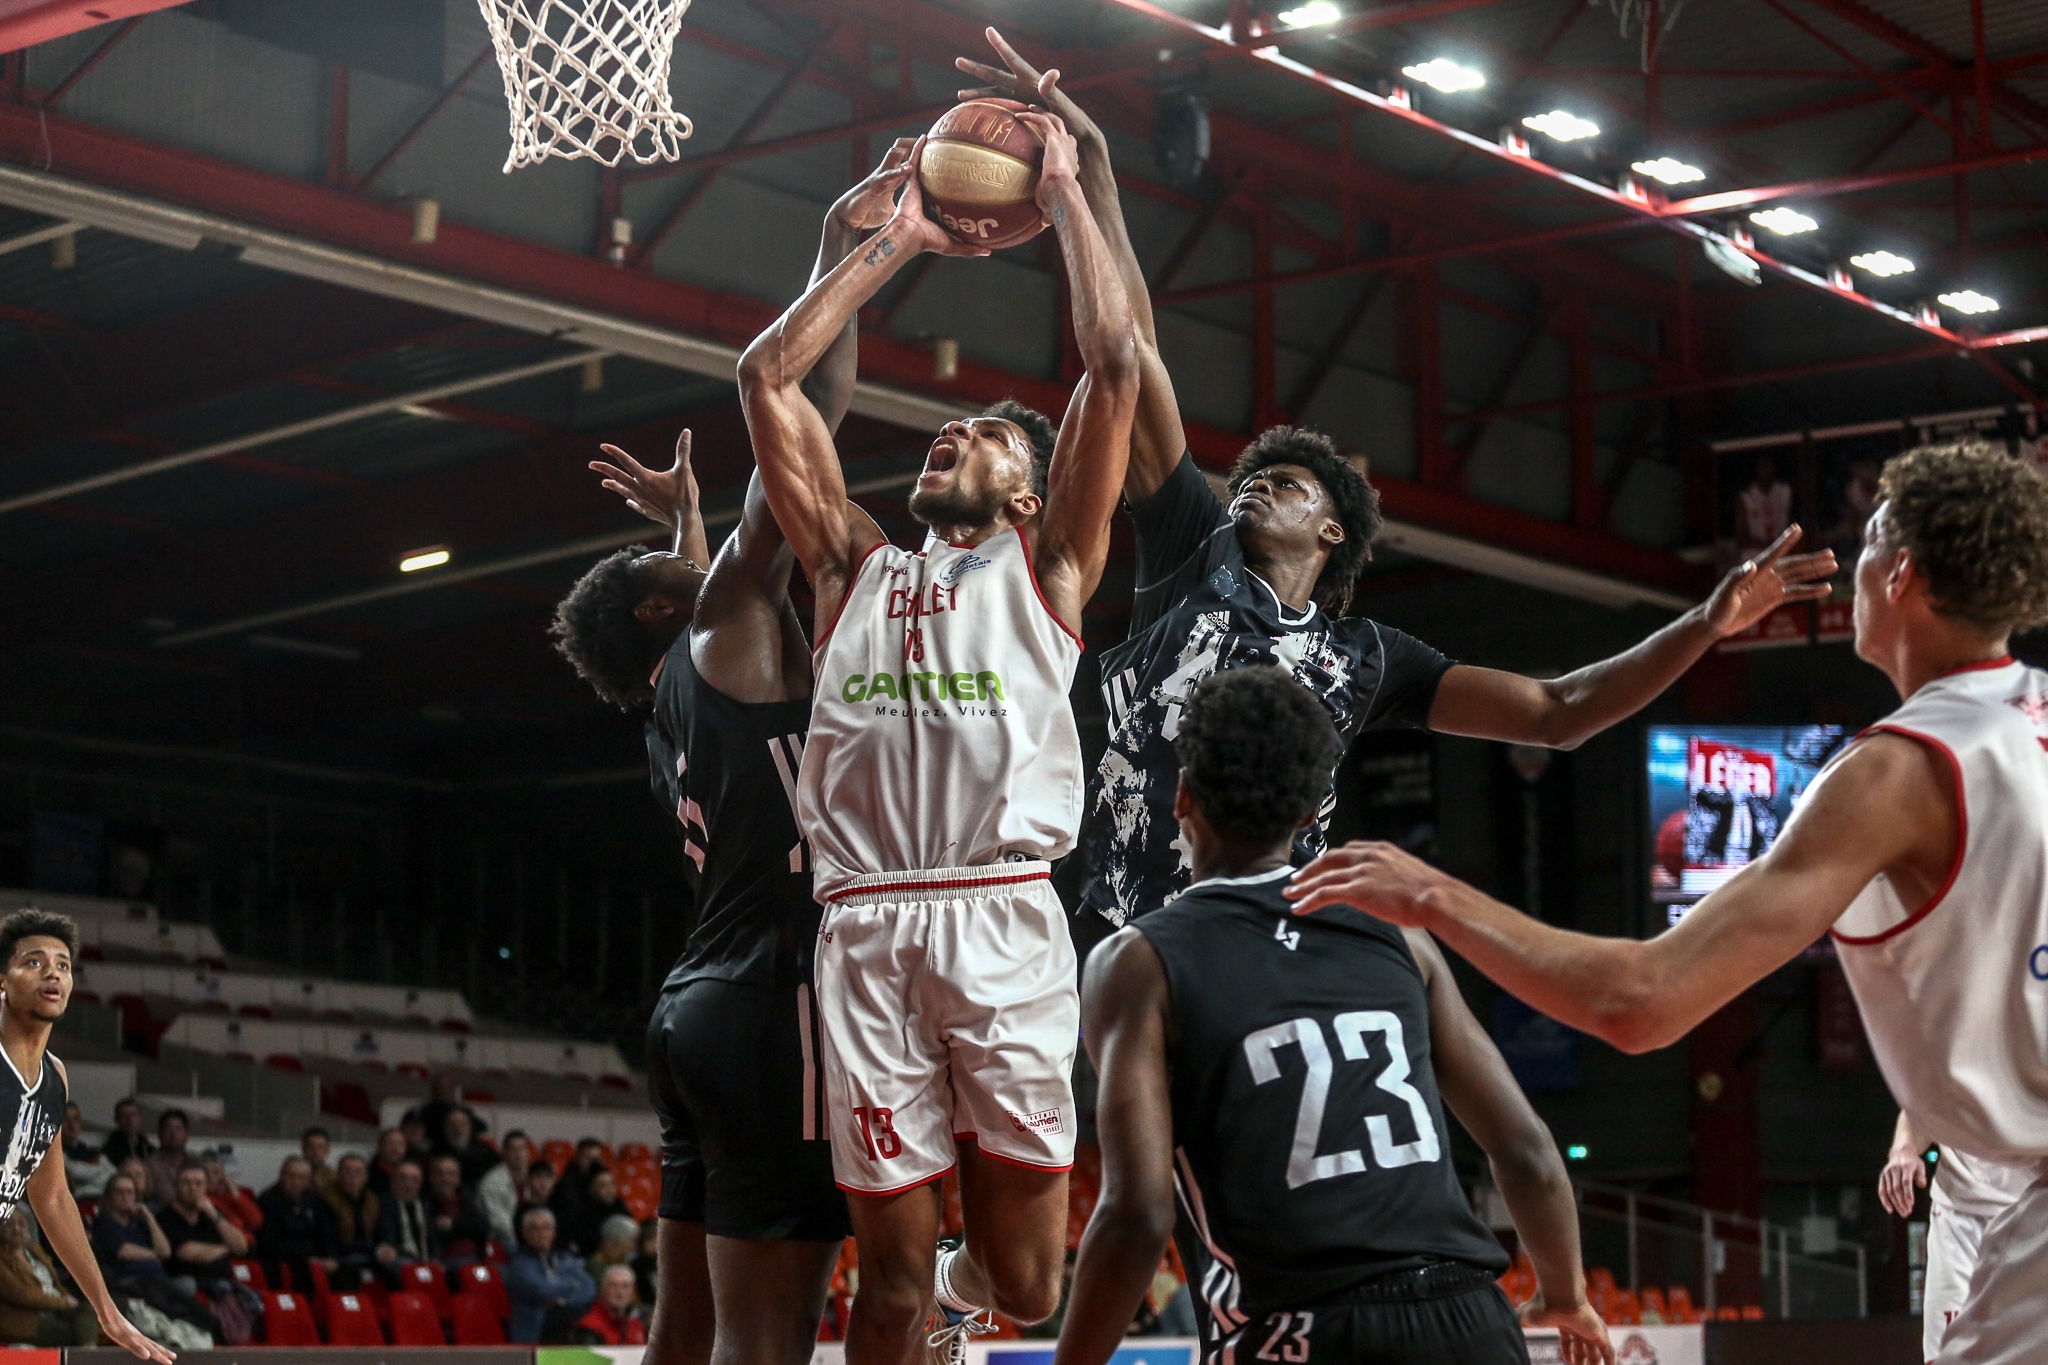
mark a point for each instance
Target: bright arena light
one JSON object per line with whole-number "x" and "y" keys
{"x": 1783, "y": 221}
{"x": 1443, "y": 74}
{"x": 1968, "y": 301}
{"x": 423, "y": 559}
{"x": 1314, "y": 12}
{"x": 1562, "y": 126}
{"x": 1882, "y": 263}
{"x": 1670, "y": 170}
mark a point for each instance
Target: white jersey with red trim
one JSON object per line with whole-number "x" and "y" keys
{"x": 1955, "y": 995}
{"x": 941, "y": 734}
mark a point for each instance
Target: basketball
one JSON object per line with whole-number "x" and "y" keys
{"x": 980, "y": 173}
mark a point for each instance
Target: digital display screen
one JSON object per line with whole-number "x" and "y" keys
{"x": 1719, "y": 795}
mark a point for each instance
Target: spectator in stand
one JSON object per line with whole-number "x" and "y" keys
{"x": 315, "y": 1145}
{"x": 644, "y": 1261}
{"x": 582, "y": 1221}
{"x": 230, "y": 1199}
{"x": 540, "y": 1185}
{"x": 618, "y": 1237}
{"x": 405, "y": 1225}
{"x": 355, "y": 1211}
{"x": 550, "y": 1290}
{"x": 35, "y": 1308}
{"x": 86, "y": 1168}
{"x": 459, "y": 1224}
{"x": 458, "y": 1139}
{"x": 446, "y": 1099}
{"x": 612, "y": 1320}
{"x": 132, "y": 1249}
{"x": 127, "y": 1139}
{"x": 417, "y": 1144}
{"x": 298, "y": 1227}
{"x": 502, "y": 1187}
{"x": 391, "y": 1150}
{"x": 137, "y": 1170}
{"x": 202, "y": 1242}
{"x": 173, "y": 1128}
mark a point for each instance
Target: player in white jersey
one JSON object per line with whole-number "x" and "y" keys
{"x": 1923, "y": 846}
{"x": 942, "y": 774}
{"x": 1967, "y": 1195}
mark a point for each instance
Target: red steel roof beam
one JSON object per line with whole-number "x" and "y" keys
{"x": 24, "y": 23}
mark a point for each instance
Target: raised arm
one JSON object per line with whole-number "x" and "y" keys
{"x": 1562, "y": 713}
{"x": 1885, "y": 806}
{"x": 1124, "y": 1004}
{"x": 1094, "y": 447}
{"x": 792, "y": 445}
{"x": 1158, "y": 439}
{"x": 1477, "y": 1086}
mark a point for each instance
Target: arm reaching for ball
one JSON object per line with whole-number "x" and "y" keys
{"x": 798, "y": 461}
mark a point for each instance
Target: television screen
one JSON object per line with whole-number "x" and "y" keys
{"x": 1719, "y": 794}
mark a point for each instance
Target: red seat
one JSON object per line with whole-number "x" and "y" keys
{"x": 284, "y": 1061}
{"x": 477, "y": 1323}
{"x": 426, "y": 1278}
{"x": 351, "y": 1322}
{"x": 414, "y": 1322}
{"x": 349, "y": 1100}
{"x": 1752, "y": 1312}
{"x": 615, "y": 1082}
{"x": 254, "y": 1011}
{"x": 455, "y": 1025}
{"x": 483, "y": 1281}
{"x": 249, "y": 1275}
{"x": 288, "y": 1320}
{"x": 413, "y": 1069}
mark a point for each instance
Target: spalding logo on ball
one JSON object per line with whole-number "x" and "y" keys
{"x": 980, "y": 175}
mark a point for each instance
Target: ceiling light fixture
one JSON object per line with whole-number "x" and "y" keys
{"x": 1562, "y": 126}
{"x": 1310, "y": 14}
{"x": 1968, "y": 301}
{"x": 1882, "y": 263}
{"x": 1670, "y": 170}
{"x": 432, "y": 558}
{"x": 1783, "y": 221}
{"x": 1441, "y": 73}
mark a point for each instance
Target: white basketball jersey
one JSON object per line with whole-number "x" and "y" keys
{"x": 1955, "y": 995}
{"x": 941, "y": 734}
{"x": 1981, "y": 1189}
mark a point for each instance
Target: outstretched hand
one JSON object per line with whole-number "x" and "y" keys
{"x": 1581, "y": 1335}
{"x": 919, "y": 231}
{"x": 1062, "y": 162}
{"x": 116, "y": 1330}
{"x": 869, "y": 204}
{"x": 665, "y": 497}
{"x": 1379, "y": 878}
{"x": 1018, "y": 82}
{"x": 1760, "y": 585}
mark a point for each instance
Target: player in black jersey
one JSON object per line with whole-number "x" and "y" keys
{"x": 751, "y": 1222}
{"x": 1284, "y": 1074}
{"x": 37, "y": 949}
{"x": 1264, "y": 580}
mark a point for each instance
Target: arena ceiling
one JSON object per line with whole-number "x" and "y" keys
{"x": 237, "y": 390}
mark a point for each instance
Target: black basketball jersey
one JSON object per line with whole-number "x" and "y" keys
{"x": 33, "y": 1114}
{"x": 1199, "y": 610}
{"x": 728, "y": 771}
{"x": 1310, "y": 1148}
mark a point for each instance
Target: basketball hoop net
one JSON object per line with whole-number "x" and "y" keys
{"x": 588, "y": 78}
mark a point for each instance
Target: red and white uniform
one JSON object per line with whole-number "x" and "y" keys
{"x": 942, "y": 775}
{"x": 1967, "y": 1195}
{"x": 1954, "y": 995}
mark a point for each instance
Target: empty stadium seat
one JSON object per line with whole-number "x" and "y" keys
{"x": 426, "y": 1278}
{"x": 1680, "y": 1300}
{"x": 615, "y": 1082}
{"x": 249, "y": 1275}
{"x": 1653, "y": 1309}
{"x": 349, "y": 1100}
{"x": 414, "y": 1321}
{"x": 284, "y": 1061}
{"x": 477, "y": 1322}
{"x": 1727, "y": 1312}
{"x": 352, "y": 1322}
{"x": 288, "y": 1320}
{"x": 635, "y": 1151}
{"x": 1752, "y": 1312}
{"x": 413, "y": 1069}
{"x": 484, "y": 1282}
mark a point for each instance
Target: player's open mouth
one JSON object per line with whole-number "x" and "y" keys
{"x": 944, "y": 455}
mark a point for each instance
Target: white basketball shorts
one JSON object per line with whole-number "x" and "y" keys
{"x": 949, "y": 1013}
{"x": 1952, "y": 1241}
{"x": 2003, "y": 1311}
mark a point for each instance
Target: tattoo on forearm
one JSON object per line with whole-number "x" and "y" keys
{"x": 1059, "y": 216}
{"x": 879, "y": 252}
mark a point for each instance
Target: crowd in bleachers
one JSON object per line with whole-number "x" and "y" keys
{"x": 442, "y": 1232}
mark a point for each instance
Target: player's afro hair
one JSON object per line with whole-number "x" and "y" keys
{"x": 596, "y": 631}
{"x": 1256, "y": 749}
{"x": 1975, "y": 520}
{"x": 1044, "y": 434}
{"x": 1355, "y": 501}
{"x": 33, "y": 923}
